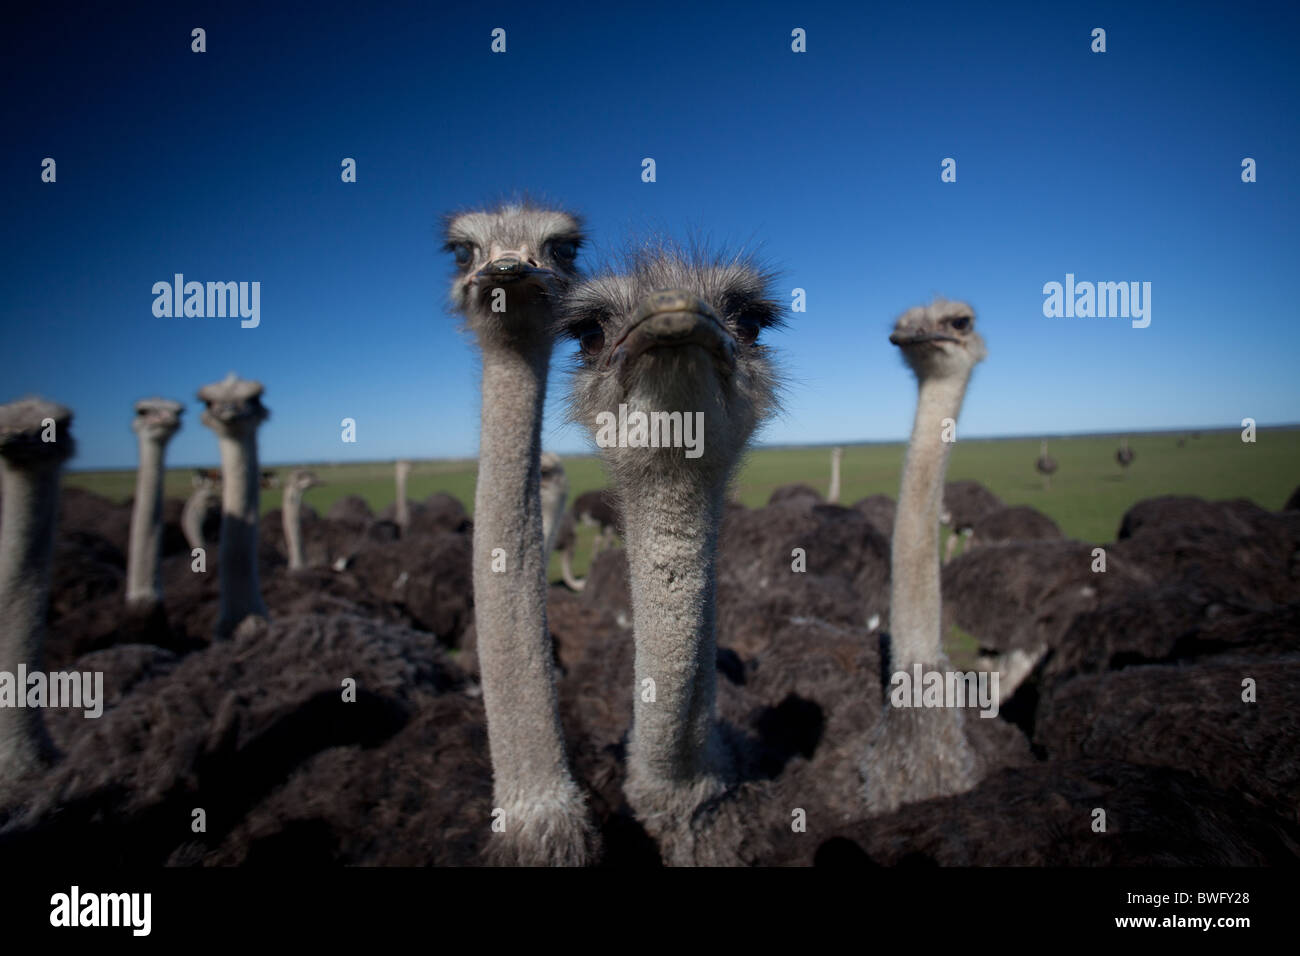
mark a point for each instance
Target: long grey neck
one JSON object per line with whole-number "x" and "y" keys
{"x": 833, "y": 493}
{"x": 241, "y": 594}
{"x": 552, "y": 514}
{"x": 143, "y": 572}
{"x": 31, "y": 497}
{"x": 402, "y": 514}
{"x": 291, "y": 516}
{"x": 672, "y": 540}
{"x": 196, "y": 508}
{"x": 514, "y": 646}
{"x": 915, "y": 628}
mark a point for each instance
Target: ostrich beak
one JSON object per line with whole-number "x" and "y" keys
{"x": 905, "y": 339}
{"x": 670, "y": 320}
{"x": 509, "y": 268}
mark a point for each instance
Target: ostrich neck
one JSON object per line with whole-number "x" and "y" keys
{"x": 31, "y": 498}
{"x": 514, "y": 646}
{"x": 914, "y": 589}
{"x": 192, "y": 516}
{"x": 291, "y": 516}
{"x": 833, "y": 493}
{"x": 143, "y": 574}
{"x": 672, "y": 539}
{"x": 240, "y": 592}
{"x": 401, "y": 512}
{"x": 553, "y": 499}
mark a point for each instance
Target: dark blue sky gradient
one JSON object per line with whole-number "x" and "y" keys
{"x": 1123, "y": 166}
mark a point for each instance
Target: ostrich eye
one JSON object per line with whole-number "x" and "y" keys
{"x": 462, "y": 253}
{"x": 565, "y": 251}
{"x": 747, "y": 329}
{"x": 591, "y": 339}
{"x": 961, "y": 324}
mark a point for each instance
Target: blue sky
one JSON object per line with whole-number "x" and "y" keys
{"x": 1122, "y": 166}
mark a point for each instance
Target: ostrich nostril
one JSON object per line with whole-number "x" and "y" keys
{"x": 673, "y": 300}
{"x": 506, "y": 265}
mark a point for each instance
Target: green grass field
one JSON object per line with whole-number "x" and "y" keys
{"x": 1087, "y": 499}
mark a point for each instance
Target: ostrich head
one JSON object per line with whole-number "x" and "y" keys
{"x": 24, "y": 427}
{"x": 552, "y": 468}
{"x": 675, "y": 332}
{"x": 234, "y": 407}
{"x": 302, "y": 480}
{"x": 939, "y": 340}
{"x": 512, "y": 264}
{"x": 157, "y": 418}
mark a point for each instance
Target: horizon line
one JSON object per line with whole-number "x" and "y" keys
{"x": 773, "y": 446}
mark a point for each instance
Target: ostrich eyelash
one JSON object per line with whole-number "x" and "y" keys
{"x": 767, "y": 314}
{"x": 580, "y": 323}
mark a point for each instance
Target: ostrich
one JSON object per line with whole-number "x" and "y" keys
{"x": 1012, "y": 523}
{"x": 203, "y": 497}
{"x": 921, "y": 752}
{"x": 291, "y": 514}
{"x": 1124, "y": 455}
{"x": 965, "y": 503}
{"x": 676, "y": 334}
{"x": 554, "y": 492}
{"x": 34, "y": 443}
{"x": 156, "y": 421}
{"x": 565, "y": 540}
{"x": 402, "y": 509}
{"x": 595, "y": 509}
{"x": 234, "y": 411}
{"x": 1046, "y": 466}
{"x": 599, "y": 510}
{"x": 833, "y": 493}
{"x": 512, "y": 262}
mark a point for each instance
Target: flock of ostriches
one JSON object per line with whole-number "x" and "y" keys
{"x": 407, "y": 688}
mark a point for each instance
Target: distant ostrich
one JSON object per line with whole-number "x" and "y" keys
{"x": 234, "y": 411}
{"x": 922, "y": 752}
{"x": 402, "y": 509}
{"x": 599, "y": 510}
{"x": 555, "y": 494}
{"x": 1124, "y": 455}
{"x": 965, "y": 503}
{"x": 1012, "y": 523}
{"x": 880, "y": 511}
{"x": 566, "y": 538}
{"x": 204, "y": 496}
{"x": 34, "y": 443}
{"x": 795, "y": 492}
{"x": 1046, "y": 466}
{"x": 291, "y": 514}
{"x": 595, "y": 509}
{"x": 156, "y": 421}
{"x": 512, "y": 262}
{"x": 675, "y": 334}
{"x": 833, "y": 493}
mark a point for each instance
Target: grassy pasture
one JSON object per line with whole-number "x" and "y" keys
{"x": 1088, "y": 497}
